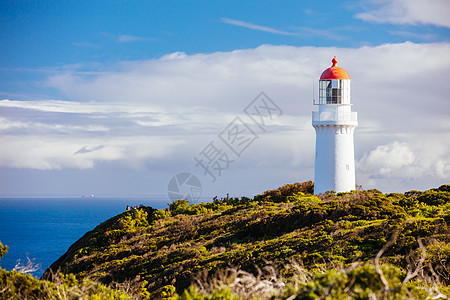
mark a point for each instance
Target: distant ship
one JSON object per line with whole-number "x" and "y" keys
{"x": 88, "y": 196}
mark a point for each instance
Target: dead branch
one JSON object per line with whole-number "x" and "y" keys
{"x": 376, "y": 263}
{"x": 410, "y": 275}
{"x": 30, "y": 267}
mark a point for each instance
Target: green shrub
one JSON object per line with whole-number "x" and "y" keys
{"x": 3, "y": 250}
{"x": 444, "y": 188}
{"x": 16, "y": 285}
{"x": 434, "y": 197}
{"x": 281, "y": 194}
{"x": 162, "y": 214}
{"x": 136, "y": 218}
{"x": 194, "y": 294}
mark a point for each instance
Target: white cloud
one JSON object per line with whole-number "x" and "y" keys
{"x": 398, "y": 76}
{"x": 255, "y": 27}
{"x": 86, "y": 45}
{"x": 131, "y": 38}
{"x": 189, "y": 80}
{"x": 387, "y": 159}
{"x": 397, "y": 163}
{"x": 415, "y": 35}
{"x": 51, "y": 134}
{"x": 324, "y": 33}
{"x": 167, "y": 110}
{"x": 434, "y": 12}
{"x": 55, "y": 152}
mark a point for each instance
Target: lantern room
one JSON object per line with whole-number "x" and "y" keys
{"x": 334, "y": 85}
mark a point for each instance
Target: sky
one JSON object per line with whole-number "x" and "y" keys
{"x": 133, "y": 98}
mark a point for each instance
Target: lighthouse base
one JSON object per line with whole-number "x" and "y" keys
{"x": 335, "y": 160}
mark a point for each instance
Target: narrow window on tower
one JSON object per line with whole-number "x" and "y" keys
{"x": 325, "y": 96}
{"x": 339, "y": 91}
{"x": 336, "y": 92}
{"x": 329, "y": 100}
{"x": 347, "y": 167}
{"x": 322, "y": 95}
{"x": 344, "y": 91}
{"x": 335, "y": 96}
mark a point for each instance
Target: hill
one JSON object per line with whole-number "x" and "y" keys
{"x": 278, "y": 234}
{"x": 283, "y": 244}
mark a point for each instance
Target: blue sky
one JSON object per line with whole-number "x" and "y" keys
{"x": 54, "y": 33}
{"x": 115, "y": 98}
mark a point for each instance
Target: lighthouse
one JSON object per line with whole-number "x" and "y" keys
{"x": 334, "y": 123}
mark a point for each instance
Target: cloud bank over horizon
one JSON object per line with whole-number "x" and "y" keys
{"x": 153, "y": 116}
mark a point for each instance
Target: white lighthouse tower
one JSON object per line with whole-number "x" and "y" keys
{"x": 334, "y": 123}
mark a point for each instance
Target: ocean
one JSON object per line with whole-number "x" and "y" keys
{"x": 42, "y": 229}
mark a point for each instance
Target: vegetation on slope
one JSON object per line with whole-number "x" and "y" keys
{"x": 334, "y": 237}
{"x": 20, "y": 285}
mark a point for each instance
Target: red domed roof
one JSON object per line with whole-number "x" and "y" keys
{"x": 334, "y": 72}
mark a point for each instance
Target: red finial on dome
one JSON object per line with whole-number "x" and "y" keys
{"x": 334, "y": 72}
{"x": 334, "y": 61}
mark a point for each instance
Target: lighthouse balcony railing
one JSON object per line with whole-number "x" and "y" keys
{"x": 334, "y": 116}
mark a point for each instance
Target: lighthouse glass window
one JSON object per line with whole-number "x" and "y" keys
{"x": 336, "y": 92}
{"x": 333, "y": 91}
{"x": 324, "y": 91}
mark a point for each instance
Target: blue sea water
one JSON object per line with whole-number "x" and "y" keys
{"x": 44, "y": 228}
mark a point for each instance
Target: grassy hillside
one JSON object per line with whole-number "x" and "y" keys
{"x": 285, "y": 240}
